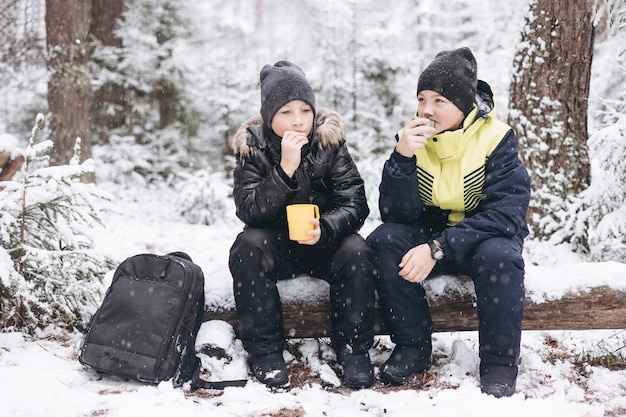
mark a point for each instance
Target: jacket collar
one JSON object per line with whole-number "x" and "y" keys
{"x": 329, "y": 131}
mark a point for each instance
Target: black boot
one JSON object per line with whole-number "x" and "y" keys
{"x": 269, "y": 369}
{"x": 358, "y": 371}
{"x": 498, "y": 380}
{"x": 403, "y": 364}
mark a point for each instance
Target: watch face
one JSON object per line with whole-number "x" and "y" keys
{"x": 436, "y": 251}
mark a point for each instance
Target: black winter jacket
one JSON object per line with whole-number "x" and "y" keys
{"x": 327, "y": 176}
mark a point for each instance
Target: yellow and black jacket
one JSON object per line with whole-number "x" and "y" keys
{"x": 466, "y": 185}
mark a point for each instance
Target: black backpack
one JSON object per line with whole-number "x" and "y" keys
{"x": 146, "y": 327}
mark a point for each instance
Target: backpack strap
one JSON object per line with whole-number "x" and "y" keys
{"x": 196, "y": 381}
{"x": 201, "y": 383}
{"x": 180, "y": 254}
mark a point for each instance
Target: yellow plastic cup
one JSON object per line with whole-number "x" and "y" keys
{"x": 299, "y": 220}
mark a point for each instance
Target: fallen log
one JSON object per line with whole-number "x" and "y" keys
{"x": 8, "y": 167}
{"x": 4, "y": 158}
{"x": 598, "y": 308}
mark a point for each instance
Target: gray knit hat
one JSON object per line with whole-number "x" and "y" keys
{"x": 453, "y": 75}
{"x": 281, "y": 83}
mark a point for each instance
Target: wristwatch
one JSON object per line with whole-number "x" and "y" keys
{"x": 435, "y": 250}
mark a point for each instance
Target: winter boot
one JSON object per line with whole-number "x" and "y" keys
{"x": 358, "y": 371}
{"x": 403, "y": 364}
{"x": 498, "y": 380}
{"x": 269, "y": 369}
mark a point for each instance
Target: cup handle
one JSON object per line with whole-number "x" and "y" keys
{"x": 316, "y": 211}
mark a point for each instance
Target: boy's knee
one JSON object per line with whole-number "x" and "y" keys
{"x": 498, "y": 254}
{"x": 355, "y": 249}
{"x": 254, "y": 238}
{"x": 382, "y": 234}
{"x": 253, "y": 248}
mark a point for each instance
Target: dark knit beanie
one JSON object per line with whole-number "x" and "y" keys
{"x": 453, "y": 75}
{"x": 281, "y": 83}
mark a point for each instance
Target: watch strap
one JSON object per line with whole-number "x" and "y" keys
{"x": 435, "y": 251}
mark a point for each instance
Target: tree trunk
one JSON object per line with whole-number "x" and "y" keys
{"x": 166, "y": 92}
{"x": 167, "y": 99}
{"x": 549, "y": 97}
{"x": 105, "y": 15}
{"x": 109, "y": 106}
{"x": 69, "y": 86}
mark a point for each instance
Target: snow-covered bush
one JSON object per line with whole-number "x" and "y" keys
{"x": 47, "y": 221}
{"x": 596, "y": 218}
{"x": 149, "y": 95}
{"x": 205, "y": 197}
{"x": 123, "y": 160}
{"x": 594, "y": 221}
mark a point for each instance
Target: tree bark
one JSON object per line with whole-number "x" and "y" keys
{"x": 109, "y": 106}
{"x": 69, "y": 86}
{"x": 165, "y": 91}
{"x": 105, "y": 16}
{"x": 599, "y": 308}
{"x": 549, "y": 98}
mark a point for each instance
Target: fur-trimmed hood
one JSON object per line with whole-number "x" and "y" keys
{"x": 329, "y": 131}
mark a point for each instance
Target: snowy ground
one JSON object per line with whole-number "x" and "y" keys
{"x": 42, "y": 377}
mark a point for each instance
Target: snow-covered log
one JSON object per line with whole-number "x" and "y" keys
{"x": 9, "y": 166}
{"x": 453, "y": 309}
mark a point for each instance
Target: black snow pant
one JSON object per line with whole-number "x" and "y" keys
{"x": 260, "y": 257}
{"x": 496, "y": 267}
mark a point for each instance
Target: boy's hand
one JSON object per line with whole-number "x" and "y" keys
{"x": 417, "y": 263}
{"x": 413, "y": 136}
{"x": 291, "y": 151}
{"x": 316, "y": 233}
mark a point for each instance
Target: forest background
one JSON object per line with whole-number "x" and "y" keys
{"x": 155, "y": 89}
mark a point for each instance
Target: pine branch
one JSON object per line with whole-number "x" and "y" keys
{"x": 29, "y": 158}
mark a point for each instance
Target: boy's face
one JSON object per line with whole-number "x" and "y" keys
{"x": 434, "y": 106}
{"x": 296, "y": 115}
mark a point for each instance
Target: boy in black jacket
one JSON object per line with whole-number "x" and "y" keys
{"x": 295, "y": 153}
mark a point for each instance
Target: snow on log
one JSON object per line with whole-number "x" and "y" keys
{"x": 453, "y": 309}
{"x": 9, "y": 165}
